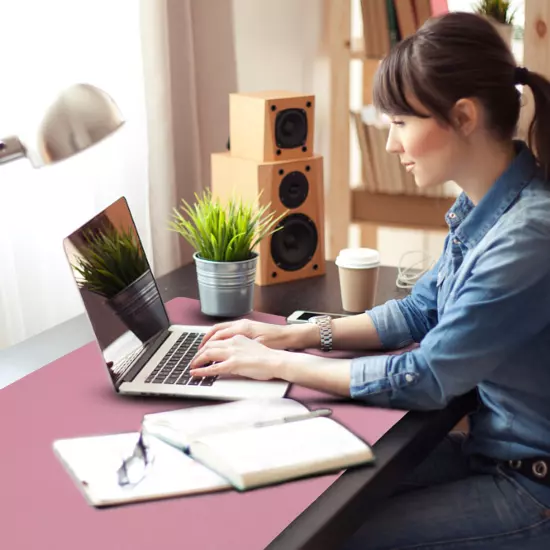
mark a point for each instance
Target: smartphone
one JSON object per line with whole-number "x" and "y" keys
{"x": 303, "y": 316}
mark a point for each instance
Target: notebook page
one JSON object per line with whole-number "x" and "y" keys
{"x": 93, "y": 463}
{"x": 282, "y": 451}
{"x": 182, "y": 426}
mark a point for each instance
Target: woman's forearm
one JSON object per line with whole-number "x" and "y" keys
{"x": 353, "y": 332}
{"x": 319, "y": 373}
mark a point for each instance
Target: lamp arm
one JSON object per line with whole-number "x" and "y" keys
{"x": 11, "y": 149}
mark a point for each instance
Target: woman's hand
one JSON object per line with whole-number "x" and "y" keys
{"x": 238, "y": 355}
{"x": 271, "y": 336}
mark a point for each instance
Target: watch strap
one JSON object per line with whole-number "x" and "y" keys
{"x": 324, "y": 322}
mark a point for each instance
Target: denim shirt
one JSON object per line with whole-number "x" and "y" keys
{"x": 481, "y": 317}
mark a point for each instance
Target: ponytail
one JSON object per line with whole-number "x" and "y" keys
{"x": 539, "y": 130}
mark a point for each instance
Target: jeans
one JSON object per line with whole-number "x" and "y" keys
{"x": 453, "y": 501}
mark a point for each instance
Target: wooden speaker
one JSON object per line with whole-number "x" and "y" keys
{"x": 271, "y": 126}
{"x": 294, "y": 187}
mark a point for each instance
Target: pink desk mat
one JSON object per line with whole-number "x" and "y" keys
{"x": 41, "y": 507}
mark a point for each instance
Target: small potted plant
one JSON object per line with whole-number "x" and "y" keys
{"x": 224, "y": 239}
{"x": 112, "y": 265}
{"x": 501, "y": 15}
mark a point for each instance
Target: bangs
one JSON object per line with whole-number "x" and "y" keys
{"x": 395, "y": 79}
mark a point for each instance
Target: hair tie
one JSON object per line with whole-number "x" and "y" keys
{"x": 520, "y": 75}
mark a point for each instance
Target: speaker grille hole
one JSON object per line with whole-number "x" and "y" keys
{"x": 293, "y": 246}
{"x": 294, "y": 189}
{"x": 290, "y": 128}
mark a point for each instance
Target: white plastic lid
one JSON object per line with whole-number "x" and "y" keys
{"x": 358, "y": 258}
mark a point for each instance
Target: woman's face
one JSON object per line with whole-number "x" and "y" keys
{"x": 426, "y": 148}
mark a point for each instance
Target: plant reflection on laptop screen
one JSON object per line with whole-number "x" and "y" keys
{"x": 117, "y": 286}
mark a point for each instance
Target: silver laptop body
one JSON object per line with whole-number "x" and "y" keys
{"x": 144, "y": 354}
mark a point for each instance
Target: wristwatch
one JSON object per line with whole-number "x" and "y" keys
{"x": 324, "y": 322}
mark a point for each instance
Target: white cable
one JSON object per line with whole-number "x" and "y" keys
{"x": 407, "y": 277}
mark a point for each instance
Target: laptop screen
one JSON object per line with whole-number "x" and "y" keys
{"x": 116, "y": 284}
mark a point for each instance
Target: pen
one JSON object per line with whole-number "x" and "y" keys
{"x": 294, "y": 418}
{"x": 259, "y": 424}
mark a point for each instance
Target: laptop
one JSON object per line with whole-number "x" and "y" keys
{"x": 144, "y": 354}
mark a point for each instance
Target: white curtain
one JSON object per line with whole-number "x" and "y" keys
{"x": 45, "y": 46}
{"x": 190, "y": 68}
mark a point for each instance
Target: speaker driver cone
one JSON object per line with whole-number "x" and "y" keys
{"x": 293, "y": 246}
{"x": 294, "y": 189}
{"x": 290, "y": 128}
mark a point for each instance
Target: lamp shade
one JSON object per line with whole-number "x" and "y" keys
{"x": 81, "y": 116}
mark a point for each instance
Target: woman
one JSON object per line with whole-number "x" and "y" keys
{"x": 481, "y": 315}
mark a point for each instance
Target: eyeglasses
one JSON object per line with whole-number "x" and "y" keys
{"x": 135, "y": 467}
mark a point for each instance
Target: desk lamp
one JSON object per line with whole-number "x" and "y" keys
{"x": 81, "y": 116}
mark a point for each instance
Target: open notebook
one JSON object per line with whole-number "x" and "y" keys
{"x": 257, "y": 442}
{"x": 244, "y": 444}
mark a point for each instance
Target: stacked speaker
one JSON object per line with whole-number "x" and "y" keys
{"x": 271, "y": 161}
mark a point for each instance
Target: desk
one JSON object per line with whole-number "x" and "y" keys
{"x": 341, "y": 508}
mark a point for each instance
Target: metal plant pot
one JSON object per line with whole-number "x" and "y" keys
{"x": 140, "y": 307}
{"x": 226, "y": 289}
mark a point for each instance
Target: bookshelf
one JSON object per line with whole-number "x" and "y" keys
{"x": 347, "y": 206}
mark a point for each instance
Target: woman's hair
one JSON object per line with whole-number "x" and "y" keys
{"x": 460, "y": 55}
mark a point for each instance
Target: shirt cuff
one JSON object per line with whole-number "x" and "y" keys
{"x": 369, "y": 379}
{"x": 377, "y": 379}
{"x": 391, "y": 325}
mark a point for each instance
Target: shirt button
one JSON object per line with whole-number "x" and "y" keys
{"x": 409, "y": 377}
{"x": 452, "y": 215}
{"x": 456, "y": 241}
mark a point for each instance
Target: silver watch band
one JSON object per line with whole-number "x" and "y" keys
{"x": 324, "y": 322}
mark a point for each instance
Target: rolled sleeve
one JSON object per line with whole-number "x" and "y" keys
{"x": 401, "y": 322}
{"x": 391, "y": 325}
{"x": 374, "y": 381}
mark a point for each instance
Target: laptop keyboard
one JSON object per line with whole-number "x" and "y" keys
{"x": 174, "y": 367}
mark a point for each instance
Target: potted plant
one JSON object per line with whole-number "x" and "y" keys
{"x": 501, "y": 15}
{"x": 112, "y": 265}
{"x": 224, "y": 239}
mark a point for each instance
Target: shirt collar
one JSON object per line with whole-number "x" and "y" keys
{"x": 471, "y": 223}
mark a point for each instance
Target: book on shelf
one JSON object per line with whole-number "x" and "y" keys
{"x": 386, "y": 22}
{"x": 242, "y": 444}
{"x": 257, "y": 442}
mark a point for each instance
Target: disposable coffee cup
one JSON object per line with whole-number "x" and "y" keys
{"x": 358, "y": 271}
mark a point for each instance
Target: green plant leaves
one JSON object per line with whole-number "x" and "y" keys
{"x": 111, "y": 261}
{"x": 223, "y": 234}
{"x": 497, "y": 9}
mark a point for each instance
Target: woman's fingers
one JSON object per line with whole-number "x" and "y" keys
{"x": 211, "y": 354}
{"x": 225, "y": 334}
{"x": 209, "y": 363}
{"x": 210, "y": 370}
{"x": 212, "y": 332}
